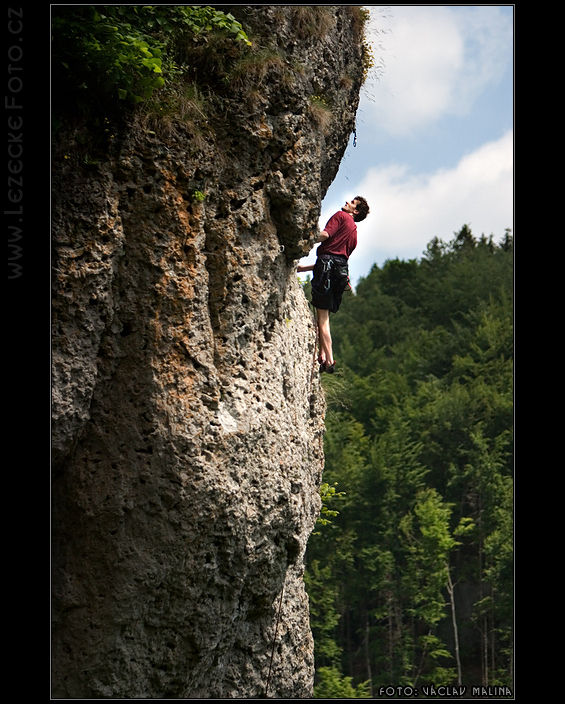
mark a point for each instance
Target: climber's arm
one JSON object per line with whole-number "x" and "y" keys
{"x": 322, "y": 236}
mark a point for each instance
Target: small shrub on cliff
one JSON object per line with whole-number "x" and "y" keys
{"x": 104, "y": 54}
{"x": 198, "y": 196}
{"x": 328, "y": 494}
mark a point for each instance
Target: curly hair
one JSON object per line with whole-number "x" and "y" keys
{"x": 362, "y": 209}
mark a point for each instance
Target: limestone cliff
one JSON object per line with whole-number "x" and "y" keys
{"x": 187, "y": 417}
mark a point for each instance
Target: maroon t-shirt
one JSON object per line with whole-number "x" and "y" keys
{"x": 342, "y": 232}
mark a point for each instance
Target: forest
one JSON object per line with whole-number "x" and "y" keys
{"x": 410, "y": 569}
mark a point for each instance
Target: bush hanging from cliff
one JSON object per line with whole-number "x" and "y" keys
{"x": 106, "y": 54}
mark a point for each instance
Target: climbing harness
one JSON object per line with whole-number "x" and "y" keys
{"x": 326, "y": 277}
{"x": 331, "y": 276}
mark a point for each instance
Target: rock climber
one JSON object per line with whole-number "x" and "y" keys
{"x": 331, "y": 273}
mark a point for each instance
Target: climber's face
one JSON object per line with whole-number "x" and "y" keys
{"x": 350, "y": 206}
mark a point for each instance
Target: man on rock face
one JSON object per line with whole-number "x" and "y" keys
{"x": 331, "y": 272}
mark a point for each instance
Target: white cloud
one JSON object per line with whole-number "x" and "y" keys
{"x": 408, "y": 209}
{"x": 432, "y": 61}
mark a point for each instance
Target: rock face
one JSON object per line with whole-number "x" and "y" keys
{"x": 187, "y": 413}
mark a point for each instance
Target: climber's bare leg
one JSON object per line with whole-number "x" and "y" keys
{"x": 324, "y": 336}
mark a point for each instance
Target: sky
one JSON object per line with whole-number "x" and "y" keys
{"x": 434, "y": 131}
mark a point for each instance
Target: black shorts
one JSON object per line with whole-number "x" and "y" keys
{"x": 329, "y": 281}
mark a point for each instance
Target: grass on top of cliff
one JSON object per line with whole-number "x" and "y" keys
{"x": 311, "y": 21}
{"x": 253, "y": 67}
{"x": 183, "y": 103}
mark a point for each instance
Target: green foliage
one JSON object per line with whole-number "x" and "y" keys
{"x": 198, "y": 19}
{"x": 126, "y": 52}
{"x": 324, "y": 616}
{"x": 198, "y": 196}
{"x": 428, "y": 542}
{"x": 328, "y": 494}
{"x": 333, "y": 685}
{"x": 419, "y": 435}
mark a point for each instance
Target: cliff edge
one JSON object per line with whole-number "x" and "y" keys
{"x": 187, "y": 415}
